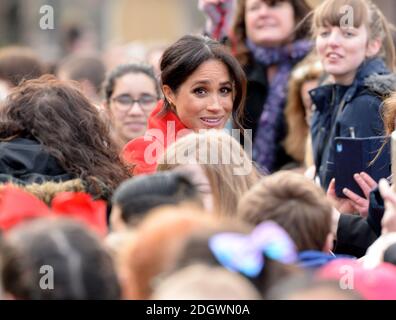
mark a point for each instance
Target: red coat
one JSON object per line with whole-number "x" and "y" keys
{"x": 168, "y": 126}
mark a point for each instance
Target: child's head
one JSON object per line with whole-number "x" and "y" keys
{"x": 203, "y": 282}
{"x": 296, "y": 204}
{"x": 137, "y": 196}
{"x": 158, "y": 241}
{"x": 58, "y": 254}
{"x": 233, "y": 244}
{"x": 217, "y": 165}
{"x": 349, "y": 31}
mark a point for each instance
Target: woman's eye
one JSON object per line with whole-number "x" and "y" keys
{"x": 199, "y": 91}
{"x": 225, "y": 90}
{"x": 348, "y": 34}
{"x": 324, "y": 33}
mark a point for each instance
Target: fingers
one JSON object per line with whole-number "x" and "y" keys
{"x": 362, "y": 182}
{"x": 386, "y": 191}
{"x": 370, "y": 181}
{"x": 359, "y": 203}
{"x": 331, "y": 189}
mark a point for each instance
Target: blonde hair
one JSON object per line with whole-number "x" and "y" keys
{"x": 297, "y": 127}
{"x": 203, "y": 282}
{"x": 226, "y": 184}
{"x": 389, "y": 113}
{"x": 364, "y": 12}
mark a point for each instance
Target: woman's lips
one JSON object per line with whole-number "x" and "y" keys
{"x": 135, "y": 126}
{"x": 212, "y": 122}
{"x": 333, "y": 56}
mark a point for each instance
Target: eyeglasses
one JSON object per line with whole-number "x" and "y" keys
{"x": 125, "y": 102}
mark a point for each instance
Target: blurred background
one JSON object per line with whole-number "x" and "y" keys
{"x": 113, "y": 27}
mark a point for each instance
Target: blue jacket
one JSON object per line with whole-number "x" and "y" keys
{"x": 344, "y": 111}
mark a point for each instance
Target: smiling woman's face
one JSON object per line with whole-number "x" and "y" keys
{"x": 205, "y": 99}
{"x": 128, "y": 117}
{"x": 268, "y": 24}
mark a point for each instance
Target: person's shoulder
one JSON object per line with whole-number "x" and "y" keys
{"x": 135, "y": 148}
{"x": 381, "y": 85}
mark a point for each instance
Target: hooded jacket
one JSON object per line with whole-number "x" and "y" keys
{"x": 345, "y": 111}
{"x": 24, "y": 160}
{"x": 163, "y": 128}
{"x": 26, "y": 163}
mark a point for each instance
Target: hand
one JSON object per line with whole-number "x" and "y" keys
{"x": 310, "y": 172}
{"x": 367, "y": 184}
{"x": 389, "y": 220}
{"x": 203, "y": 3}
{"x": 211, "y": 9}
{"x": 353, "y": 202}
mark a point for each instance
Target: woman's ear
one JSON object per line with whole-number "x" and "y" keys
{"x": 168, "y": 94}
{"x": 373, "y": 47}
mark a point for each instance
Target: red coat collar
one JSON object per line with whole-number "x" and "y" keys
{"x": 169, "y": 125}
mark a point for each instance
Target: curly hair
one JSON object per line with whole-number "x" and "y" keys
{"x": 59, "y": 117}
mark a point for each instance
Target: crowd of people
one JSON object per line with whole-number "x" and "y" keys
{"x": 210, "y": 173}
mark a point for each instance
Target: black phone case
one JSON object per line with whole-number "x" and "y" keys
{"x": 354, "y": 155}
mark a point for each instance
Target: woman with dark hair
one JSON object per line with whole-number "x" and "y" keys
{"x": 203, "y": 85}
{"x": 50, "y": 132}
{"x": 267, "y": 42}
{"x": 131, "y": 92}
{"x": 57, "y": 259}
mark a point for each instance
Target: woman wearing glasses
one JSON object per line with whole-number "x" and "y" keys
{"x": 131, "y": 93}
{"x": 203, "y": 86}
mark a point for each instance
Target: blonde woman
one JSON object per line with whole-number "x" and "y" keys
{"x": 217, "y": 165}
{"x": 298, "y": 109}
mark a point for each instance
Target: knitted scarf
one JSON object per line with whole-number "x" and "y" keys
{"x": 271, "y": 119}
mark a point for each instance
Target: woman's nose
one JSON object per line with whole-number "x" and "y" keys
{"x": 214, "y": 105}
{"x": 334, "y": 38}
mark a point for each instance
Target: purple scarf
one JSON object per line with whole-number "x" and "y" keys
{"x": 271, "y": 119}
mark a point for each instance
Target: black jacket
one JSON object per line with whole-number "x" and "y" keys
{"x": 257, "y": 92}
{"x": 355, "y": 233}
{"x": 25, "y": 161}
{"x": 345, "y": 110}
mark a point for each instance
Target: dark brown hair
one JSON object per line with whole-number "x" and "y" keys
{"x": 182, "y": 58}
{"x": 81, "y": 267}
{"x": 124, "y": 69}
{"x": 300, "y": 8}
{"x": 59, "y": 117}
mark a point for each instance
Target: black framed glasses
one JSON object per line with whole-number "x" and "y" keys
{"x": 125, "y": 102}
